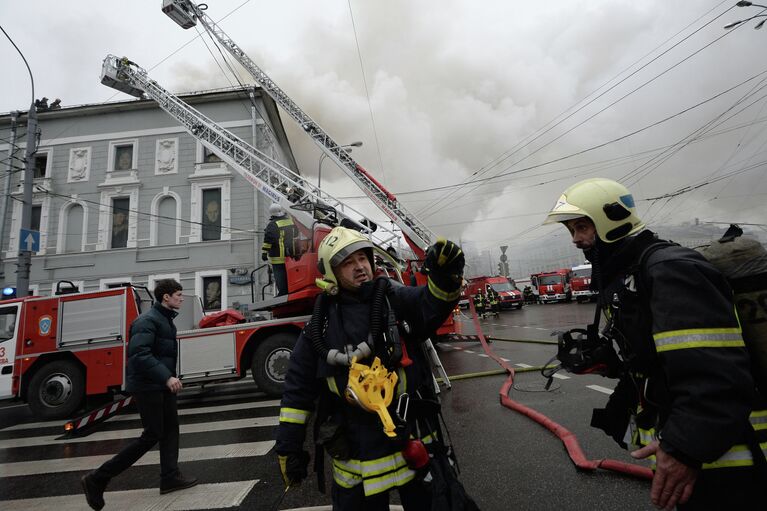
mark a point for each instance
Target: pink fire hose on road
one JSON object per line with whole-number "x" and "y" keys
{"x": 566, "y": 436}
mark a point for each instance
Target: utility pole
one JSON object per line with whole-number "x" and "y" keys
{"x": 25, "y": 250}
{"x": 7, "y": 184}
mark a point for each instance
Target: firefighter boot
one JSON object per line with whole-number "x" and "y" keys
{"x": 94, "y": 490}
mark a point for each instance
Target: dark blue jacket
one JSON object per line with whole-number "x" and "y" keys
{"x": 152, "y": 350}
{"x": 349, "y": 323}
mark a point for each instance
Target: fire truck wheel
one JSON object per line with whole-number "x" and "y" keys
{"x": 56, "y": 390}
{"x": 270, "y": 362}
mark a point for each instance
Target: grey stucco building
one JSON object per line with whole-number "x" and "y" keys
{"x": 123, "y": 194}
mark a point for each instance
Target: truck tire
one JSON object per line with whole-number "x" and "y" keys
{"x": 270, "y": 362}
{"x": 56, "y": 390}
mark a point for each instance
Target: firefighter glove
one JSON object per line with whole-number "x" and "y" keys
{"x": 264, "y": 257}
{"x": 444, "y": 267}
{"x": 294, "y": 467}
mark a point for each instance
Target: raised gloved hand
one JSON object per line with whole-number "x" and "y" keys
{"x": 444, "y": 267}
{"x": 294, "y": 467}
{"x": 264, "y": 256}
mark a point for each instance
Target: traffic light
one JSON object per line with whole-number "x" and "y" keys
{"x": 9, "y": 292}
{"x": 500, "y": 268}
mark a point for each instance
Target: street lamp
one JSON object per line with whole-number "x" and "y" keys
{"x": 347, "y": 148}
{"x": 745, "y": 3}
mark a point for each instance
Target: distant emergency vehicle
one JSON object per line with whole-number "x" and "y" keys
{"x": 580, "y": 281}
{"x": 552, "y": 286}
{"x": 508, "y": 295}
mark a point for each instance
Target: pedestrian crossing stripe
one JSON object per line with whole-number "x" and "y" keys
{"x": 181, "y": 412}
{"x": 202, "y": 496}
{"x": 82, "y": 463}
{"x": 201, "y": 427}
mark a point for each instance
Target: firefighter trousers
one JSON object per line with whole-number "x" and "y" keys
{"x": 159, "y": 417}
{"x": 413, "y": 496}
{"x": 280, "y": 278}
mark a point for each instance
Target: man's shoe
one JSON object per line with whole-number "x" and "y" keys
{"x": 177, "y": 482}
{"x": 94, "y": 491}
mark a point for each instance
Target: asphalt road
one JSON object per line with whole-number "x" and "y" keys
{"x": 507, "y": 461}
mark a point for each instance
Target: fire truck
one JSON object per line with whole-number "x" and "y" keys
{"x": 580, "y": 282}
{"x": 509, "y": 296}
{"x": 552, "y": 286}
{"x": 56, "y": 350}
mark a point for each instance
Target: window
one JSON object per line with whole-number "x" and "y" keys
{"x": 41, "y": 165}
{"x": 210, "y": 287}
{"x": 35, "y": 220}
{"x": 123, "y": 157}
{"x": 209, "y": 156}
{"x": 120, "y": 210}
{"x": 7, "y": 324}
{"x": 112, "y": 283}
{"x": 211, "y": 217}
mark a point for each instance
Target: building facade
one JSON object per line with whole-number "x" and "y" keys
{"x": 121, "y": 193}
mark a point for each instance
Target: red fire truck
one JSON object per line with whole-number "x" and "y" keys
{"x": 580, "y": 282}
{"x": 57, "y": 350}
{"x": 508, "y": 294}
{"x": 552, "y": 286}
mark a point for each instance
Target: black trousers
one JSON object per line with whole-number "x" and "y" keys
{"x": 280, "y": 278}
{"x": 159, "y": 417}
{"x": 727, "y": 488}
{"x": 413, "y": 495}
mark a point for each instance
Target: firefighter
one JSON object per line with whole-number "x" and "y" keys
{"x": 685, "y": 396}
{"x": 492, "y": 301}
{"x": 280, "y": 239}
{"x": 375, "y": 326}
{"x": 479, "y": 304}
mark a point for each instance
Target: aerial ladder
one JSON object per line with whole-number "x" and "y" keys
{"x": 306, "y": 203}
{"x": 186, "y": 14}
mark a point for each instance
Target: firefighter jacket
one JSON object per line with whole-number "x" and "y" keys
{"x": 688, "y": 381}
{"x": 371, "y": 458}
{"x": 279, "y": 239}
{"x": 152, "y": 350}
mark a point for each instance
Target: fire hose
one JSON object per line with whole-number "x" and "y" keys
{"x": 567, "y": 437}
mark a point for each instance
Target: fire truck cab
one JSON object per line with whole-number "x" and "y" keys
{"x": 508, "y": 295}
{"x": 57, "y": 350}
{"x": 552, "y": 286}
{"x": 581, "y": 283}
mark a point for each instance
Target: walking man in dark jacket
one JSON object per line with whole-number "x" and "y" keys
{"x": 151, "y": 379}
{"x": 685, "y": 398}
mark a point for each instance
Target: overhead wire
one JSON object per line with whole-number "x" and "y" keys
{"x": 546, "y": 129}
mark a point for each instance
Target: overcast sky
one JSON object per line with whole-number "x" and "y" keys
{"x": 441, "y": 92}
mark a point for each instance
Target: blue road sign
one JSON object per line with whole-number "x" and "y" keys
{"x": 29, "y": 240}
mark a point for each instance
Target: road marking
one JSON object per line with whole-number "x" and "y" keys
{"x": 598, "y": 388}
{"x": 483, "y": 355}
{"x": 202, "y": 427}
{"x": 202, "y": 496}
{"x": 562, "y": 377}
{"x": 505, "y": 359}
{"x": 135, "y": 416}
{"x": 244, "y": 450}
{"x": 468, "y": 351}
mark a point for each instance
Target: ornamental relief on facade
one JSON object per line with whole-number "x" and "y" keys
{"x": 79, "y": 164}
{"x": 166, "y": 156}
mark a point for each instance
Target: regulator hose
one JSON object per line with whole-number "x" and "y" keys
{"x": 317, "y": 327}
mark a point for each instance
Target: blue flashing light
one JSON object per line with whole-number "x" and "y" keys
{"x": 9, "y": 292}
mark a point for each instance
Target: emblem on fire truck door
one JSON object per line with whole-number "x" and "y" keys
{"x": 44, "y": 325}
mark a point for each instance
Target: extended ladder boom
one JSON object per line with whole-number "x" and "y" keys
{"x": 269, "y": 176}
{"x": 186, "y": 13}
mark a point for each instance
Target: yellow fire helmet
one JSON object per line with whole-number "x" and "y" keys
{"x": 337, "y": 245}
{"x": 607, "y": 203}
{"x": 372, "y": 388}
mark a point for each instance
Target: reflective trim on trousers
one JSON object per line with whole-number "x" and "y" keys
{"x": 758, "y": 419}
{"x": 698, "y": 338}
{"x": 294, "y": 415}
{"x": 377, "y": 475}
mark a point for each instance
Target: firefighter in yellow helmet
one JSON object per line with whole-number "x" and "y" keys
{"x": 685, "y": 396}
{"x": 370, "y": 328}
